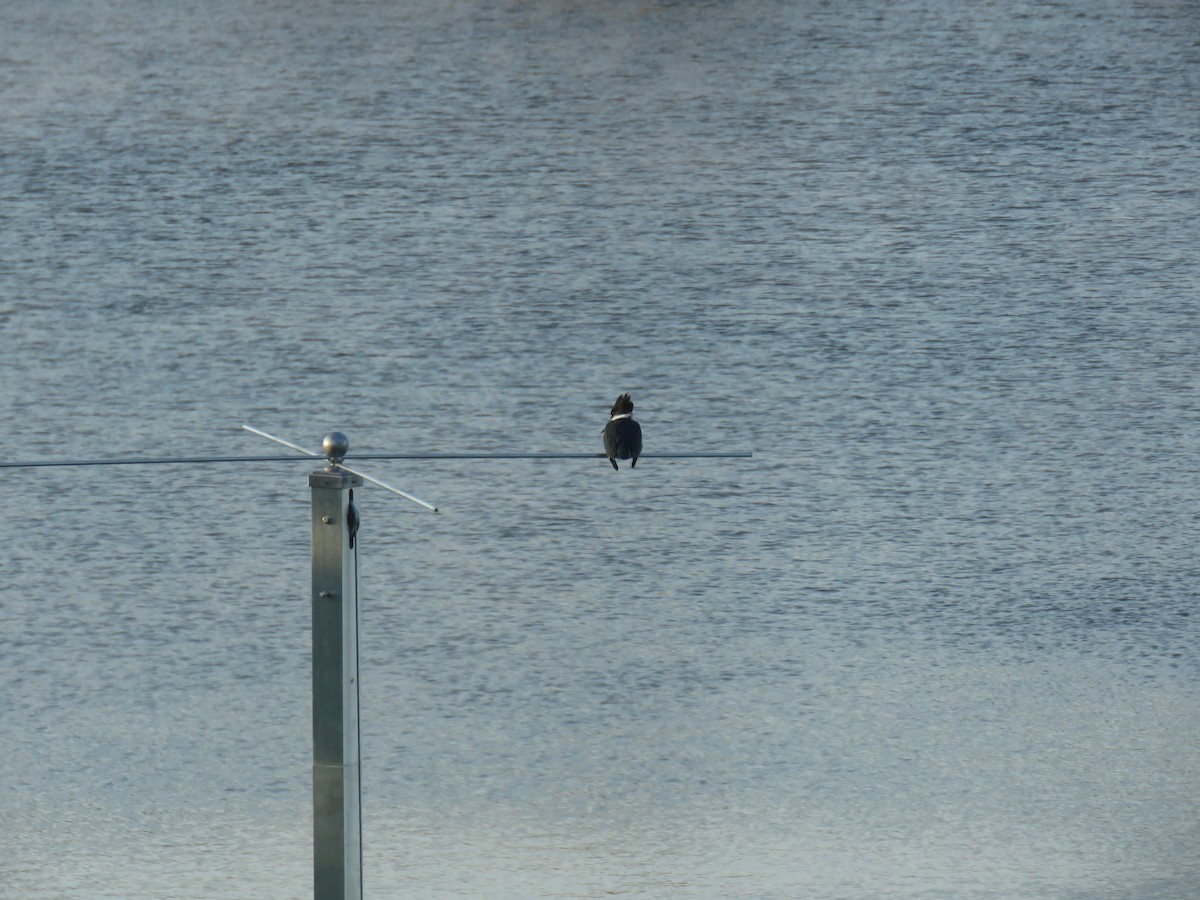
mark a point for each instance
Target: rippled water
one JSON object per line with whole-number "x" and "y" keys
{"x": 934, "y": 263}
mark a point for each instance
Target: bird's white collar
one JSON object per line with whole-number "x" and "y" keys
{"x": 621, "y": 416}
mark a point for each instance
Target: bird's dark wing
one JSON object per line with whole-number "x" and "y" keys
{"x": 634, "y": 439}
{"x": 610, "y": 439}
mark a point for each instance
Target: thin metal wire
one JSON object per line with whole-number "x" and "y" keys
{"x": 547, "y": 455}
{"x": 144, "y": 461}
{"x": 308, "y": 454}
{"x": 180, "y": 460}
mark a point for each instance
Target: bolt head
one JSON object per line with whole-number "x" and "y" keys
{"x": 336, "y": 445}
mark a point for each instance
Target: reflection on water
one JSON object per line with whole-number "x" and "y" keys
{"x": 932, "y": 264}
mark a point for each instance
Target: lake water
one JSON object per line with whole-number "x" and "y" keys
{"x": 933, "y": 262}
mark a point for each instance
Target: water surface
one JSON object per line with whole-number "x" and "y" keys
{"x": 933, "y": 264}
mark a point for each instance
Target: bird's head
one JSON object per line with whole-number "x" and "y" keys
{"x": 623, "y": 406}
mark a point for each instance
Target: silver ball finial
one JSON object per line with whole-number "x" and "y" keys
{"x": 336, "y": 445}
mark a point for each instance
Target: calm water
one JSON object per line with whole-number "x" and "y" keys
{"x": 934, "y": 263}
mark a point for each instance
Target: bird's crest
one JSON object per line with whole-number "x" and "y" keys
{"x": 623, "y": 406}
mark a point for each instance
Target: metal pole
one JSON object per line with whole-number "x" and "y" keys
{"x": 337, "y": 813}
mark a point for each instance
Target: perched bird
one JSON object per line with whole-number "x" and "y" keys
{"x": 622, "y": 435}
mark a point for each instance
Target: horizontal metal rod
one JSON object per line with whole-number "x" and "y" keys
{"x": 388, "y": 487}
{"x": 181, "y": 460}
{"x": 279, "y": 440}
{"x": 362, "y": 475}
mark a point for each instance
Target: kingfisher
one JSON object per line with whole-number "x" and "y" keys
{"x": 622, "y": 435}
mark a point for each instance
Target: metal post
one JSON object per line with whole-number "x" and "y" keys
{"x": 337, "y": 813}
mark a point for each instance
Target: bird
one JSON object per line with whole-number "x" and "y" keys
{"x": 622, "y": 435}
